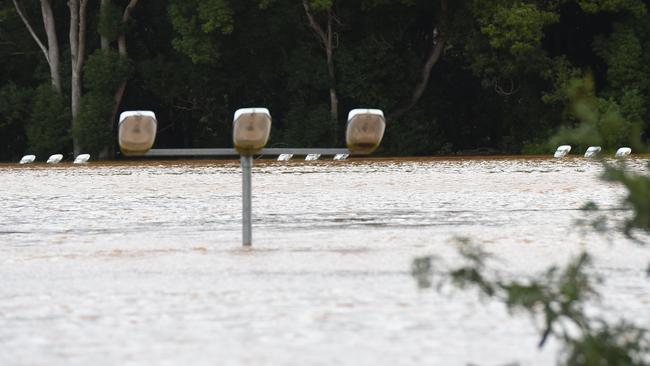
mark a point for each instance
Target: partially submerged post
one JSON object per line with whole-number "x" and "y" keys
{"x": 251, "y": 130}
{"x": 137, "y": 132}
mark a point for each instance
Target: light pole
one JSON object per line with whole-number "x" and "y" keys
{"x": 251, "y": 130}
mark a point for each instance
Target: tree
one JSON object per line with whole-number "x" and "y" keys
{"x": 51, "y": 51}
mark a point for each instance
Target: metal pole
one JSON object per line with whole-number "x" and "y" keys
{"x": 247, "y": 232}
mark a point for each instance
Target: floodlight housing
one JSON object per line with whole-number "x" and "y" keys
{"x": 365, "y": 130}
{"x": 137, "y": 132}
{"x": 251, "y": 130}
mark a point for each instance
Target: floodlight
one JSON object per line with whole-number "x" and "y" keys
{"x": 285, "y": 157}
{"x": 365, "y": 130}
{"x": 251, "y": 130}
{"x": 137, "y": 132}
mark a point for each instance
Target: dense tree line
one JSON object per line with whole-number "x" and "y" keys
{"x": 452, "y": 76}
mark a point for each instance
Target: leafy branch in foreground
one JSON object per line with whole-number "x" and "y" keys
{"x": 556, "y": 299}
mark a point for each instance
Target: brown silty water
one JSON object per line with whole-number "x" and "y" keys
{"x": 140, "y": 262}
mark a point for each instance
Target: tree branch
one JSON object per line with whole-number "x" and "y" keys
{"x": 432, "y": 59}
{"x": 314, "y": 25}
{"x": 121, "y": 43}
{"x": 31, "y": 30}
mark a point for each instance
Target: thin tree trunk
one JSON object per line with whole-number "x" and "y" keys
{"x": 326, "y": 39}
{"x": 51, "y": 52}
{"x": 432, "y": 59}
{"x": 78, "y": 56}
{"x": 334, "y": 100}
{"x": 119, "y": 92}
{"x": 52, "y": 44}
{"x": 105, "y": 43}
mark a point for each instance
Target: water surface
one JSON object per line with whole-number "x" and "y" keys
{"x": 140, "y": 263}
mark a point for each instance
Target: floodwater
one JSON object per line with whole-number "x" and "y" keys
{"x": 140, "y": 263}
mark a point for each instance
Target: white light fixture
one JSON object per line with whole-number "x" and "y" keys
{"x": 251, "y": 130}
{"x": 27, "y": 159}
{"x": 593, "y": 151}
{"x": 137, "y": 132}
{"x": 312, "y": 157}
{"x": 623, "y": 152}
{"x": 339, "y": 157}
{"x": 365, "y": 130}
{"x": 82, "y": 159}
{"x": 562, "y": 151}
{"x": 55, "y": 159}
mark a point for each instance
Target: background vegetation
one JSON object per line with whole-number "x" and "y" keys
{"x": 469, "y": 76}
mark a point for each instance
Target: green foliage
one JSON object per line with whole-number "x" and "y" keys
{"x": 48, "y": 130}
{"x": 196, "y": 21}
{"x": 517, "y": 29}
{"x": 104, "y": 71}
{"x": 618, "y": 345}
{"x": 635, "y": 7}
{"x": 94, "y": 130}
{"x": 110, "y": 23}
{"x": 15, "y": 108}
{"x": 555, "y": 298}
{"x": 602, "y": 121}
{"x": 638, "y": 196}
{"x": 623, "y": 52}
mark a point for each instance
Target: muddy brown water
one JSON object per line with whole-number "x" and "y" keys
{"x": 139, "y": 263}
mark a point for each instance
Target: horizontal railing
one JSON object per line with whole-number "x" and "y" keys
{"x": 233, "y": 152}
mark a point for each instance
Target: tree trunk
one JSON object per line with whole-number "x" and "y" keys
{"x": 432, "y": 59}
{"x": 334, "y": 100}
{"x": 52, "y": 44}
{"x": 77, "y": 58}
{"x": 119, "y": 93}
{"x": 105, "y": 43}
{"x": 326, "y": 39}
{"x": 51, "y": 52}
